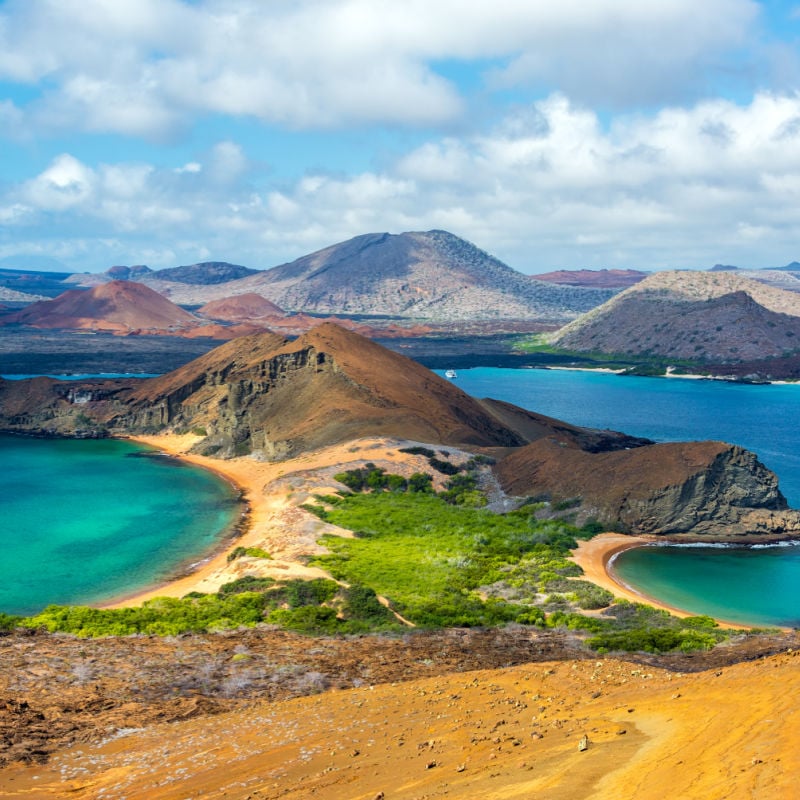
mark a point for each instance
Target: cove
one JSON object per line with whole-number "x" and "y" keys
{"x": 758, "y": 585}
{"x": 87, "y": 521}
{"x": 745, "y": 585}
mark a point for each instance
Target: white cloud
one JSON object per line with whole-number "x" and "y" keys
{"x": 548, "y": 187}
{"x": 148, "y": 67}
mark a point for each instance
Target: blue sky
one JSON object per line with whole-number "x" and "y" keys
{"x": 578, "y": 133}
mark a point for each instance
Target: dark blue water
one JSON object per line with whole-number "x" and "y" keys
{"x": 757, "y": 586}
{"x": 763, "y": 419}
{"x": 79, "y": 376}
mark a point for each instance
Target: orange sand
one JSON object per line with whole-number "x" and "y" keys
{"x": 274, "y": 492}
{"x": 503, "y": 734}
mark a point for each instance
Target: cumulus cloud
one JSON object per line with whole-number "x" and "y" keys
{"x": 550, "y": 186}
{"x": 148, "y": 67}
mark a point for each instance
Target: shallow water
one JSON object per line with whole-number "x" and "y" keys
{"x": 743, "y": 585}
{"x": 85, "y": 521}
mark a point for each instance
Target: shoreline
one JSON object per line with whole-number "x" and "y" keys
{"x": 272, "y": 493}
{"x": 596, "y": 556}
{"x": 213, "y": 570}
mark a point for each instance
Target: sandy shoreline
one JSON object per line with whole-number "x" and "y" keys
{"x": 273, "y": 520}
{"x": 595, "y": 557}
{"x": 273, "y": 493}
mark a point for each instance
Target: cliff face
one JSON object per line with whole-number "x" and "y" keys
{"x": 265, "y": 395}
{"x": 704, "y": 489}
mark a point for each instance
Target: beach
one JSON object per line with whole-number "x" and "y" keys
{"x": 595, "y": 556}
{"x": 274, "y": 522}
{"x": 273, "y": 492}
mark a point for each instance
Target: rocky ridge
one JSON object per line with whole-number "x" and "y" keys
{"x": 681, "y": 489}
{"x": 431, "y": 275}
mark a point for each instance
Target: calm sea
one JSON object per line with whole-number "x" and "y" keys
{"x": 760, "y": 586}
{"x": 85, "y": 521}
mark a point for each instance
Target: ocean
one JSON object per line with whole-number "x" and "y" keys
{"x": 758, "y": 586}
{"x": 88, "y": 521}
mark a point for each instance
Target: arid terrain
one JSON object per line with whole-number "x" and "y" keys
{"x": 421, "y": 716}
{"x": 264, "y": 713}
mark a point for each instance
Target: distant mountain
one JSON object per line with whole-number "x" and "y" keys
{"x": 431, "y": 276}
{"x": 595, "y": 278}
{"x": 117, "y": 306}
{"x": 13, "y": 296}
{"x": 704, "y": 316}
{"x": 122, "y": 273}
{"x": 240, "y": 308}
{"x": 32, "y": 282}
{"x": 207, "y": 273}
{"x": 794, "y": 266}
{"x": 723, "y": 268}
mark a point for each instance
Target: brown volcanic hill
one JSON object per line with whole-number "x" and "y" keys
{"x": 118, "y": 306}
{"x": 697, "y": 488}
{"x": 268, "y": 395}
{"x": 713, "y": 317}
{"x": 240, "y": 308}
{"x": 431, "y": 275}
{"x": 597, "y": 278}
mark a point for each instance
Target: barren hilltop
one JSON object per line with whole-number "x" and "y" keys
{"x": 431, "y": 275}
{"x": 712, "y": 317}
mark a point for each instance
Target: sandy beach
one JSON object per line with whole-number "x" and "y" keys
{"x": 275, "y": 522}
{"x": 595, "y": 557}
{"x": 273, "y": 492}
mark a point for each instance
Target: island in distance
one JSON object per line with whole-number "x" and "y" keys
{"x": 434, "y": 296}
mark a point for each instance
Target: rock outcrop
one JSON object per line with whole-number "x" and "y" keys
{"x": 698, "y": 489}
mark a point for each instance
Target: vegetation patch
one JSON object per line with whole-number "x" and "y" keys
{"x": 440, "y": 560}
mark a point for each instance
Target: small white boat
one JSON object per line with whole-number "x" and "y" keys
{"x": 450, "y": 373}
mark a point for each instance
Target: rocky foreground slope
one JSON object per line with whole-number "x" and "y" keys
{"x": 274, "y": 399}
{"x": 576, "y": 729}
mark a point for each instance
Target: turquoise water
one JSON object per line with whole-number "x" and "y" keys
{"x": 746, "y": 585}
{"x": 86, "y": 521}
{"x": 757, "y": 586}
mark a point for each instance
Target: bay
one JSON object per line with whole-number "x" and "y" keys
{"x": 86, "y": 521}
{"x": 758, "y": 585}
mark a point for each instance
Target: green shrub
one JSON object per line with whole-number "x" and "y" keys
{"x": 249, "y": 583}
{"x": 8, "y": 622}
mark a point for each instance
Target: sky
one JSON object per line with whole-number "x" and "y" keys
{"x": 554, "y": 134}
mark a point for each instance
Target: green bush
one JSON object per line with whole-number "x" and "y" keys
{"x": 8, "y": 622}
{"x": 249, "y": 583}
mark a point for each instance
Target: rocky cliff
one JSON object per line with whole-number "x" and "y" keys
{"x": 702, "y": 489}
